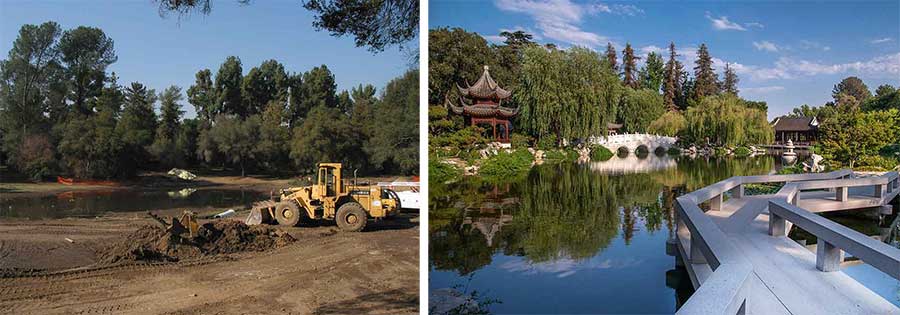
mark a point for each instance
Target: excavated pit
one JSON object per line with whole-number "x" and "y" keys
{"x": 152, "y": 243}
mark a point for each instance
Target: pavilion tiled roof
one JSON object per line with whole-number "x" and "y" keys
{"x": 484, "y": 88}
{"x": 482, "y": 110}
{"x": 795, "y": 124}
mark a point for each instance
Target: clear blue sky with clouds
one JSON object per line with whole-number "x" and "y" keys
{"x": 160, "y": 52}
{"x": 785, "y": 53}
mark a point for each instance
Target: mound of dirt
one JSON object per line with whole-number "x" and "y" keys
{"x": 154, "y": 243}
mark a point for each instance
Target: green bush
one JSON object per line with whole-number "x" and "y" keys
{"x": 796, "y": 169}
{"x": 546, "y": 143}
{"x": 742, "y": 151}
{"x": 519, "y": 141}
{"x": 439, "y": 172}
{"x": 600, "y": 153}
{"x": 674, "y": 151}
{"x": 507, "y": 164}
{"x": 876, "y": 163}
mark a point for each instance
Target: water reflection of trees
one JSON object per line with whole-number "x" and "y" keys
{"x": 562, "y": 211}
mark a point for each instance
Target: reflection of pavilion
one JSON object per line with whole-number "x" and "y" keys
{"x": 633, "y": 164}
{"x": 489, "y": 218}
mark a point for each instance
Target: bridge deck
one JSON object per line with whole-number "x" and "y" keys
{"x": 785, "y": 271}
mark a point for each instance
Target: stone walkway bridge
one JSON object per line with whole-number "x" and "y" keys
{"x": 741, "y": 261}
{"x": 632, "y": 142}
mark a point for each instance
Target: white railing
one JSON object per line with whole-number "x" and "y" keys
{"x": 833, "y": 238}
{"x": 724, "y": 291}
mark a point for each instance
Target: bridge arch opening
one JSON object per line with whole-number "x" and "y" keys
{"x": 642, "y": 152}
{"x": 622, "y": 152}
{"x": 660, "y": 151}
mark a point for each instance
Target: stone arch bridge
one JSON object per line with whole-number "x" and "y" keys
{"x": 632, "y": 142}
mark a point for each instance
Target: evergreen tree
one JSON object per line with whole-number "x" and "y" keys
{"x": 228, "y": 88}
{"x": 203, "y": 95}
{"x": 264, "y": 84}
{"x": 653, "y": 73}
{"x": 706, "y": 81}
{"x": 629, "y": 67}
{"x": 138, "y": 122}
{"x": 852, "y": 86}
{"x": 731, "y": 81}
{"x": 86, "y": 52}
{"x": 672, "y": 86}
{"x": 395, "y": 149}
{"x": 170, "y": 111}
{"x": 319, "y": 88}
{"x": 611, "y": 58}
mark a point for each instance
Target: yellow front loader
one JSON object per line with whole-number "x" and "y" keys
{"x": 330, "y": 198}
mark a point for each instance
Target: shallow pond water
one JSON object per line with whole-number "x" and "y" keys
{"x": 569, "y": 238}
{"x": 91, "y": 203}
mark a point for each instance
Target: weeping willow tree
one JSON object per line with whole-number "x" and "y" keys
{"x": 724, "y": 120}
{"x": 566, "y": 94}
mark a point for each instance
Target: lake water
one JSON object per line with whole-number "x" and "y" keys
{"x": 572, "y": 238}
{"x": 92, "y": 203}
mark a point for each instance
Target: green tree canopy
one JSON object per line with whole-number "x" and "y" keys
{"x": 228, "y": 88}
{"x": 86, "y": 52}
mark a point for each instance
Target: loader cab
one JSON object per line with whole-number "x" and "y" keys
{"x": 328, "y": 181}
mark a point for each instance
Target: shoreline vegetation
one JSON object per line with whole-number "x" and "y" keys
{"x": 563, "y": 95}
{"x": 64, "y": 114}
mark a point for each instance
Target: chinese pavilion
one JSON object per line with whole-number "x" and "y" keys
{"x": 482, "y": 103}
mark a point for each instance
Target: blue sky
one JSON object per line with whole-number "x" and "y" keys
{"x": 787, "y": 54}
{"x": 164, "y": 51}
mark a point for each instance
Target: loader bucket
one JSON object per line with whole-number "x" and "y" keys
{"x": 260, "y": 213}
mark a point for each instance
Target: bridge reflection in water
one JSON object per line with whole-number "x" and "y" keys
{"x": 633, "y": 164}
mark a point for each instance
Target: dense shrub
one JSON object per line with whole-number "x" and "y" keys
{"x": 507, "y": 164}
{"x": 742, "y": 151}
{"x": 600, "y": 153}
{"x": 519, "y": 141}
{"x": 439, "y": 172}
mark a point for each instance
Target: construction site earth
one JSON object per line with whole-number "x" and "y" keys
{"x": 132, "y": 262}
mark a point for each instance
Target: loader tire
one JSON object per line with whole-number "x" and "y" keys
{"x": 288, "y": 214}
{"x": 351, "y": 217}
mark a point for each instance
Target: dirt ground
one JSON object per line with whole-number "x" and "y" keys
{"x": 324, "y": 272}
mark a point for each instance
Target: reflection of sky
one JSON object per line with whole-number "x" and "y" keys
{"x": 619, "y": 279}
{"x": 875, "y": 280}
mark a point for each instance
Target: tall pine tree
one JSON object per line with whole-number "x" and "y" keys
{"x": 706, "y": 82}
{"x": 672, "y": 86}
{"x": 611, "y": 57}
{"x": 652, "y": 74}
{"x": 731, "y": 81}
{"x": 629, "y": 67}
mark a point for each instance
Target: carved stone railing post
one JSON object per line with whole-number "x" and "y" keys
{"x": 828, "y": 257}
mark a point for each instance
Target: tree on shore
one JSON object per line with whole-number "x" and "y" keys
{"x": 651, "y": 76}
{"x": 729, "y": 85}
{"x": 706, "y": 81}
{"x": 629, "y": 67}
{"x": 672, "y": 86}
{"x": 611, "y": 58}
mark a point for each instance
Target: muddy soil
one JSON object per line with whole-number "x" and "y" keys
{"x": 62, "y": 266}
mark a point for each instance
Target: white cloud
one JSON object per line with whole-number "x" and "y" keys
{"x": 559, "y": 20}
{"x": 765, "y": 45}
{"x": 754, "y": 24}
{"x": 494, "y": 38}
{"x": 722, "y": 23}
{"x": 652, "y": 48}
{"x": 881, "y": 65}
{"x": 556, "y": 19}
{"x": 881, "y": 40}
{"x": 762, "y": 89}
{"x": 790, "y": 68}
{"x": 807, "y": 44}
